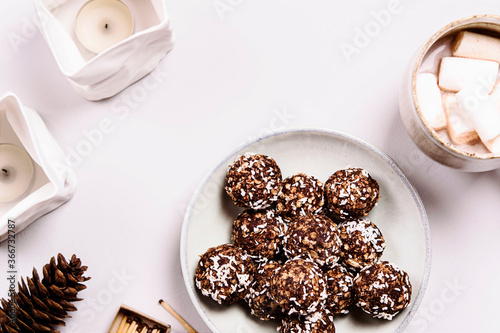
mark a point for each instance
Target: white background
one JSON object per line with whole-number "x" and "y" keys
{"x": 259, "y": 67}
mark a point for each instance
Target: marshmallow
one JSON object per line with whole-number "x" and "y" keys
{"x": 472, "y": 45}
{"x": 494, "y": 145}
{"x": 483, "y": 113}
{"x": 457, "y": 73}
{"x": 429, "y": 99}
{"x": 460, "y": 129}
{"x": 495, "y": 95}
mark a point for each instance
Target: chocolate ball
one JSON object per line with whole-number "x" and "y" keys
{"x": 253, "y": 181}
{"x": 259, "y": 232}
{"x": 340, "y": 296}
{"x": 298, "y": 286}
{"x": 318, "y": 322}
{"x": 350, "y": 193}
{"x": 313, "y": 237}
{"x": 224, "y": 273}
{"x": 382, "y": 290}
{"x": 258, "y": 297}
{"x": 300, "y": 194}
{"x": 362, "y": 243}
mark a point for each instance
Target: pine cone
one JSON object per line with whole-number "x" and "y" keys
{"x": 41, "y": 305}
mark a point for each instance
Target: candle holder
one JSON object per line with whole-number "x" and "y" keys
{"x": 98, "y": 74}
{"x": 52, "y": 181}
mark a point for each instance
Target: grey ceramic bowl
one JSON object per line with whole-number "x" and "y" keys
{"x": 421, "y": 133}
{"x": 399, "y": 214}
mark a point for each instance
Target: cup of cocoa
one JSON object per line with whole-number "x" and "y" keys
{"x": 449, "y": 99}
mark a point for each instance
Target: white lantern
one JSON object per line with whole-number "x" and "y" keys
{"x": 26, "y": 142}
{"x": 103, "y": 70}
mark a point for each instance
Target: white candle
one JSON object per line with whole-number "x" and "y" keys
{"x": 16, "y": 171}
{"x": 101, "y": 24}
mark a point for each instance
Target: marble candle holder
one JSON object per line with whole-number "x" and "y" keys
{"x": 53, "y": 181}
{"x": 98, "y": 76}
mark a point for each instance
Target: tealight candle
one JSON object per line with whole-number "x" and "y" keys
{"x": 101, "y": 24}
{"x": 16, "y": 171}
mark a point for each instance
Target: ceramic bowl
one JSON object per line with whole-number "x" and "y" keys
{"x": 399, "y": 214}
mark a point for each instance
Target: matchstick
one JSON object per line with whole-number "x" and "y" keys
{"x": 127, "y": 325}
{"x": 132, "y": 327}
{"x": 184, "y": 323}
{"x": 122, "y": 324}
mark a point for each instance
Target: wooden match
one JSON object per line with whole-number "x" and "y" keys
{"x": 184, "y": 323}
{"x": 126, "y": 326}
{"x": 122, "y": 324}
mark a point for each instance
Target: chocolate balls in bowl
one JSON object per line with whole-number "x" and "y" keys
{"x": 304, "y": 263}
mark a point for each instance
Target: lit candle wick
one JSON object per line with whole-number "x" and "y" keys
{"x": 16, "y": 171}
{"x": 100, "y": 24}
